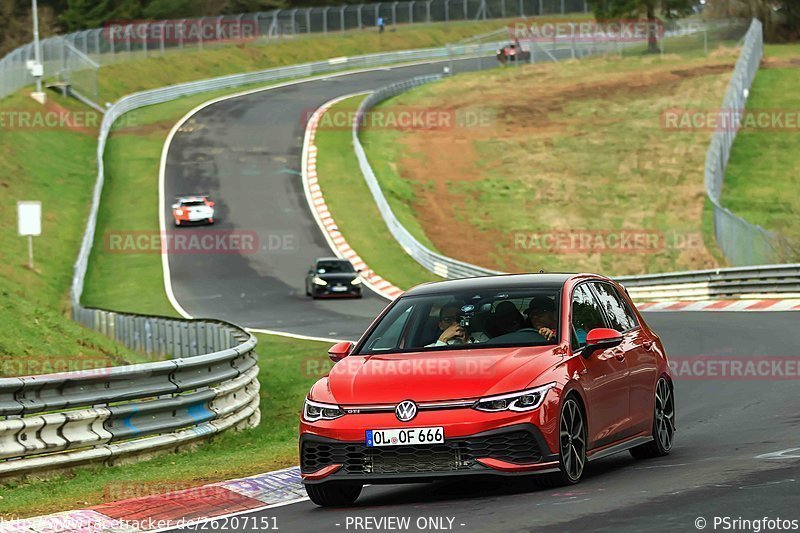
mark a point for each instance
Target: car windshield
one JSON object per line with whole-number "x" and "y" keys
{"x": 467, "y": 319}
{"x": 192, "y": 203}
{"x": 334, "y": 267}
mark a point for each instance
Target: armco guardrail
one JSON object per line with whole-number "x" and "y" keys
{"x": 757, "y": 281}
{"x": 62, "y": 420}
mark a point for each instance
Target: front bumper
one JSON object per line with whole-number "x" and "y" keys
{"x": 510, "y": 450}
{"x": 329, "y": 291}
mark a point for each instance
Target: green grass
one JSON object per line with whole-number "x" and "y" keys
{"x": 343, "y": 185}
{"x": 585, "y": 150}
{"x": 54, "y": 167}
{"x": 762, "y": 178}
{"x": 177, "y": 66}
{"x": 288, "y": 368}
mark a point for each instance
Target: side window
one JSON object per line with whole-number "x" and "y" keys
{"x": 586, "y": 314}
{"x": 620, "y": 315}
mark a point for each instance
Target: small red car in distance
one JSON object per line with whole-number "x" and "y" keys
{"x": 503, "y": 375}
{"x": 193, "y": 210}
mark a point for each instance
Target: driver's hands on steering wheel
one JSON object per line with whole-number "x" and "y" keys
{"x": 547, "y": 333}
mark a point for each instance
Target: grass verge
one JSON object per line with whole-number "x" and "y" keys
{"x": 178, "y": 66}
{"x": 293, "y": 367}
{"x": 762, "y": 171}
{"x": 568, "y": 167}
{"x": 55, "y": 167}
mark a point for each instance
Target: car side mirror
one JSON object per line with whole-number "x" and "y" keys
{"x": 175, "y": 206}
{"x": 601, "y": 339}
{"x": 210, "y": 204}
{"x": 340, "y": 350}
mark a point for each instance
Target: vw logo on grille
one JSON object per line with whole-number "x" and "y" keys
{"x": 405, "y": 411}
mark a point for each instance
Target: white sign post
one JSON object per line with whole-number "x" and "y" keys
{"x": 29, "y": 223}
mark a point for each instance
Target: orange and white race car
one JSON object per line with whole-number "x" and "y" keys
{"x": 193, "y": 210}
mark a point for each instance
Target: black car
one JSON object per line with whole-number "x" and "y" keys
{"x": 332, "y": 277}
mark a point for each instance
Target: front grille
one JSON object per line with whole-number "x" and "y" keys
{"x": 454, "y": 455}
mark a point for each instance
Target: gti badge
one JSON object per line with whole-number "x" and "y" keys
{"x": 405, "y": 410}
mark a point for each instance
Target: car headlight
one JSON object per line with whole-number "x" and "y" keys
{"x": 179, "y": 212}
{"x": 356, "y": 281}
{"x": 319, "y": 281}
{"x": 313, "y": 411}
{"x": 526, "y": 400}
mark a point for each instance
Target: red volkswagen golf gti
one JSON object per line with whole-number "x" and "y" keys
{"x": 503, "y": 375}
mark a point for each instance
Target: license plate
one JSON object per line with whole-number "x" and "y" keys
{"x": 405, "y": 436}
{"x": 338, "y": 289}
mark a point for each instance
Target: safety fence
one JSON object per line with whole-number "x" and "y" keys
{"x": 76, "y": 57}
{"x": 100, "y": 415}
{"x": 741, "y": 242}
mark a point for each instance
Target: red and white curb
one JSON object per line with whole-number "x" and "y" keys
{"x": 319, "y": 208}
{"x": 721, "y": 305}
{"x": 175, "y": 509}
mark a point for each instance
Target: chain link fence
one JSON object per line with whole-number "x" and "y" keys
{"x": 741, "y": 242}
{"x": 74, "y": 58}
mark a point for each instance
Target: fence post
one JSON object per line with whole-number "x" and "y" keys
{"x": 163, "y": 38}
{"x": 541, "y": 8}
{"x": 308, "y": 20}
{"x": 411, "y": 12}
{"x": 360, "y": 6}
{"x": 145, "y": 42}
{"x": 325, "y": 20}
{"x": 341, "y": 17}
{"x": 563, "y": 9}
{"x": 428, "y": 6}
{"x": 447, "y": 10}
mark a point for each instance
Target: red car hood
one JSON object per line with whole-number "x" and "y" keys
{"x": 452, "y": 375}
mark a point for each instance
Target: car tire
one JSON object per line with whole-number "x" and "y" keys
{"x": 663, "y": 424}
{"x": 334, "y": 493}
{"x": 572, "y": 447}
{"x": 211, "y": 221}
{"x": 177, "y": 222}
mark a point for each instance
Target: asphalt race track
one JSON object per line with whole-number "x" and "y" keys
{"x": 245, "y": 153}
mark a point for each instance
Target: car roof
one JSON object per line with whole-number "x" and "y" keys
{"x": 337, "y": 259}
{"x": 507, "y": 281}
{"x": 191, "y": 198}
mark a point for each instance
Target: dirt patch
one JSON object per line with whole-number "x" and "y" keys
{"x": 532, "y": 121}
{"x": 780, "y": 62}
